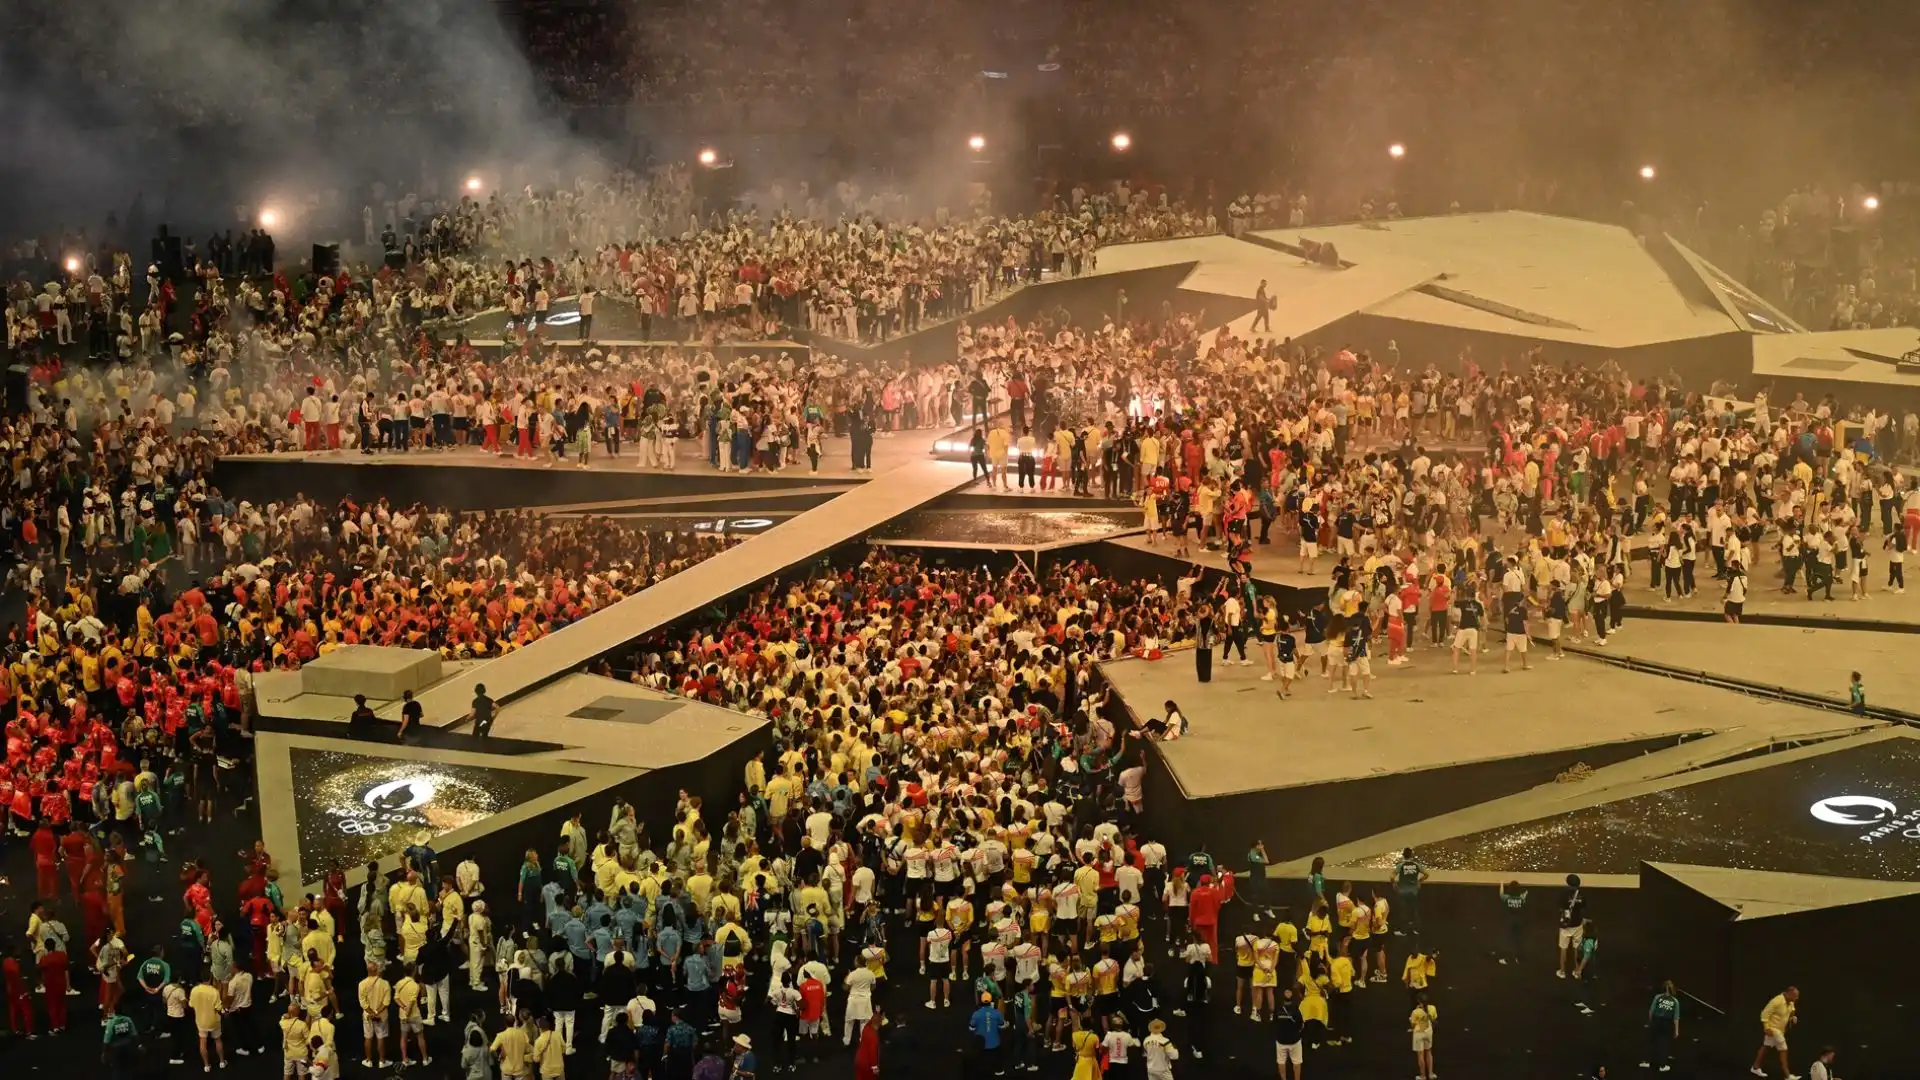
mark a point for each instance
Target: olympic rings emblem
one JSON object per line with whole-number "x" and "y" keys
{"x": 359, "y": 827}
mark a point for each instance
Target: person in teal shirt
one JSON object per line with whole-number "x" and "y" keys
{"x": 1257, "y": 873}
{"x": 1663, "y": 1028}
{"x": 1589, "y": 944}
{"x": 119, "y": 1043}
{"x": 1857, "y": 695}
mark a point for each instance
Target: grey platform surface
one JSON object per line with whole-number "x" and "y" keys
{"x": 380, "y": 672}
{"x": 1243, "y": 738}
{"x": 794, "y": 540}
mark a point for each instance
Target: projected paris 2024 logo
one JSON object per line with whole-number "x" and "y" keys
{"x": 1875, "y": 817}
{"x": 384, "y": 805}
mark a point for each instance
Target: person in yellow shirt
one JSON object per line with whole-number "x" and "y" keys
{"x": 316, "y": 986}
{"x": 407, "y": 994}
{"x": 550, "y": 1051}
{"x": 1775, "y": 1019}
{"x": 207, "y": 1003}
{"x": 1380, "y": 935}
{"x": 1340, "y": 1005}
{"x": 1266, "y": 975}
{"x": 1285, "y": 933}
{"x": 1420, "y": 1022}
{"x": 1414, "y": 974}
{"x": 412, "y": 926}
{"x": 376, "y": 997}
{"x": 1360, "y": 933}
{"x": 1319, "y": 927}
{"x": 293, "y": 1041}
{"x": 513, "y": 1049}
{"x": 1243, "y": 974}
{"x": 1314, "y": 985}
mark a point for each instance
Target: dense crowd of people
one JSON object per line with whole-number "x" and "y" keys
{"x": 950, "y": 791}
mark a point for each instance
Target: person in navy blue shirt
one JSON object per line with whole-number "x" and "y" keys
{"x": 1359, "y": 664}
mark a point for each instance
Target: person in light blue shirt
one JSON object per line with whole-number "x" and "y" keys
{"x": 597, "y": 910}
{"x": 600, "y": 938}
{"x": 642, "y": 945}
{"x": 699, "y": 975}
{"x": 557, "y": 918}
{"x": 575, "y": 931}
{"x": 667, "y": 943}
{"x": 550, "y": 894}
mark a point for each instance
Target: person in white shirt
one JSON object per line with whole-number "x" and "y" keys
{"x": 1160, "y": 1051}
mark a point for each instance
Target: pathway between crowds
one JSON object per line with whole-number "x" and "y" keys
{"x": 786, "y": 544}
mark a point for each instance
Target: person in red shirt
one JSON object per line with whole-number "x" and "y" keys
{"x": 1203, "y": 912}
{"x": 813, "y": 1005}
{"x": 73, "y": 851}
{"x": 19, "y": 999}
{"x": 53, "y": 976}
{"x": 46, "y": 856}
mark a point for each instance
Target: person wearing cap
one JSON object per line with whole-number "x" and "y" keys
{"x": 1159, "y": 1051}
{"x": 746, "y": 1064}
{"x": 985, "y": 1023}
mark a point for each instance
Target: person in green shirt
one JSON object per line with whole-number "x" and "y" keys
{"x": 119, "y": 1042}
{"x": 146, "y": 803}
{"x": 1663, "y": 1028}
{"x": 1257, "y": 873}
{"x": 564, "y": 865}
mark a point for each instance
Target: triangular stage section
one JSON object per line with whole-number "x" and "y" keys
{"x": 1843, "y": 809}
{"x": 338, "y": 804}
{"x": 1758, "y": 894}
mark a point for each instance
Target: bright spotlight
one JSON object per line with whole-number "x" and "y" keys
{"x": 269, "y": 218}
{"x": 1872, "y": 202}
{"x": 1397, "y": 151}
{"x": 709, "y": 157}
{"x": 1122, "y": 140}
{"x": 1646, "y": 172}
{"x": 73, "y": 265}
{"x": 977, "y": 143}
{"x": 473, "y": 183}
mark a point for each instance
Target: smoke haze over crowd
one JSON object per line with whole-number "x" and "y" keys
{"x": 207, "y": 106}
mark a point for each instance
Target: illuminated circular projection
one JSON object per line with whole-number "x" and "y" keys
{"x": 1853, "y": 810}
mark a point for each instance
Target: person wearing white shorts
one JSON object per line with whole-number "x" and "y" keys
{"x": 1467, "y": 640}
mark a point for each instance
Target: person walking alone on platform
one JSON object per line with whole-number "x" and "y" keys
{"x": 1203, "y": 644}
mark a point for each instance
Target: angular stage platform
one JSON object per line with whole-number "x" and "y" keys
{"x": 790, "y": 542}
{"x": 338, "y": 804}
{"x": 1255, "y": 767}
{"x": 468, "y": 478}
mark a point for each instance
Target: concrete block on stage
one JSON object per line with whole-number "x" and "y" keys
{"x": 380, "y": 672}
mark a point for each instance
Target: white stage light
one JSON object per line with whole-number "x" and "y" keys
{"x": 709, "y": 157}
{"x": 1647, "y": 172}
{"x": 977, "y": 143}
{"x": 1397, "y": 150}
{"x": 269, "y": 218}
{"x": 1122, "y": 141}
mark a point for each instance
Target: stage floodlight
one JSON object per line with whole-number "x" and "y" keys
{"x": 1871, "y": 202}
{"x": 1397, "y": 151}
{"x": 977, "y": 143}
{"x": 473, "y": 184}
{"x": 269, "y": 217}
{"x": 709, "y": 157}
{"x": 1122, "y": 141}
{"x": 1647, "y": 172}
{"x": 73, "y": 265}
